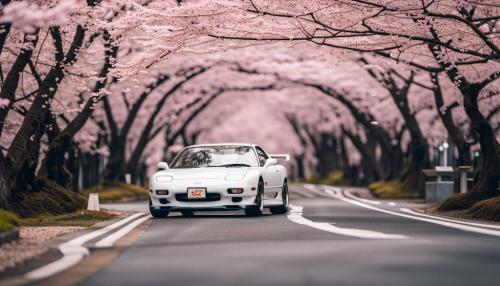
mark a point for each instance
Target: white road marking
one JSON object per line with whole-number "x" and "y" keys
{"x": 435, "y": 221}
{"x": 295, "y": 215}
{"x": 451, "y": 220}
{"x": 313, "y": 189}
{"x": 310, "y": 188}
{"x": 348, "y": 194}
{"x": 110, "y": 240}
{"x": 73, "y": 251}
{"x": 392, "y": 203}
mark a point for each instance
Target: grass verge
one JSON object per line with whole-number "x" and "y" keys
{"x": 51, "y": 199}
{"x": 392, "y": 190}
{"x": 82, "y": 218}
{"x": 118, "y": 192}
{"x": 8, "y": 221}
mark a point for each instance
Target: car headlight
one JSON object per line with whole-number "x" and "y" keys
{"x": 164, "y": 179}
{"x": 235, "y": 177}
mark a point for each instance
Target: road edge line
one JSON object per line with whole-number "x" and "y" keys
{"x": 73, "y": 251}
{"x": 429, "y": 220}
{"x": 410, "y": 211}
{"x": 111, "y": 239}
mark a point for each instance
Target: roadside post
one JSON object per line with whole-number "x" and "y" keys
{"x": 463, "y": 170}
{"x": 128, "y": 179}
{"x": 93, "y": 204}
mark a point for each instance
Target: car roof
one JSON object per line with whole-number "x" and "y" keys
{"x": 223, "y": 144}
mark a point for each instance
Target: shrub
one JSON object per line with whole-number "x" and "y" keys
{"x": 118, "y": 192}
{"x": 7, "y": 221}
{"x": 392, "y": 190}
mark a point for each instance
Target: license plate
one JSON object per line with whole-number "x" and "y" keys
{"x": 197, "y": 193}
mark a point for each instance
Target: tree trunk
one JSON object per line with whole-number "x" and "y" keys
{"x": 370, "y": 164}
{"x": 33, "y": 124}
{"x": 115, "y": 167}
{"x": 299, "y": 160}
{"x": 366, "y": 120}
{"x": 53, "y": 166}
{"x": 487, "y": 183}
{"x": 456, "y": 136}
{"x": 9, "y": 86}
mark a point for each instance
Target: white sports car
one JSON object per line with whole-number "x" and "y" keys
{"x": 220, "y": 177}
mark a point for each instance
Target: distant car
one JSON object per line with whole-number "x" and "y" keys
{"x": 216, "y": 177}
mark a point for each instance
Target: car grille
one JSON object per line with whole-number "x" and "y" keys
{"x": 211, "y": 197}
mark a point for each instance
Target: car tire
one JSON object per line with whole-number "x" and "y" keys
{"x": 257, "y": 209}
{"x": 283, "y": 209}
{"x": 158, "y": 213}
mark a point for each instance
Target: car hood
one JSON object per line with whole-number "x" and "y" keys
{"x": 204, "y": 173}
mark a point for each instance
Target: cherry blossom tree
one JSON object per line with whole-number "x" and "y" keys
{"x": 456, "y": 38}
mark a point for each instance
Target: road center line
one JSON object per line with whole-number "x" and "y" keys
{"x": 73, "y": 251}
{"x": 435, "y": 221}
{"x": 110, "y": 240}
{"x": 296, "y": 212}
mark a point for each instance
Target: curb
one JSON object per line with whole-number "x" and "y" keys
{"x": 9, "y": 236}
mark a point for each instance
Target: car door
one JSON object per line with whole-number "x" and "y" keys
{"x": 270, "y": 174}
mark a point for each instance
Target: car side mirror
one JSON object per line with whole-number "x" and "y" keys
{"x": 270, "y": 162}
{"x": 163, "y": 165}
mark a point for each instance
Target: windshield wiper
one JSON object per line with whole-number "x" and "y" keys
{"x": 233, "y": 165}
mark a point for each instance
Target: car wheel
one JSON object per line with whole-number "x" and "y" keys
{"x": 158, "y": 213}
{"x": 258, "y": 208}
{"x": 283, "y": 209}
{"x": 187, "y": 213}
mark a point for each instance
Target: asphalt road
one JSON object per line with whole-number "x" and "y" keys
{"x": 318, "y": 245}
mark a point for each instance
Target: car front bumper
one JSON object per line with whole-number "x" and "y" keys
{"x": 217, "y": 194}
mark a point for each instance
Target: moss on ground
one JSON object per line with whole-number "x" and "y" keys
{"x": 83, "y": 218}
{"x": 392, "y": 190}
{"x": 51, "y": 199}
{"x": 8, "y": 221}
{"x": 118, "y": 192}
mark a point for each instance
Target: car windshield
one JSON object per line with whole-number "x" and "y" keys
{"x": 216, "y": 156}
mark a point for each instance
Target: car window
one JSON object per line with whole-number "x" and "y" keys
{"x": 215, "y": 156}
{"x": 262, "y": 156}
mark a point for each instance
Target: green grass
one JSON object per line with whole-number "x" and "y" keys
{"x": 118, "y": 192}
{"x": 392, "y": 190}
{"x": 83, "y": 218}
{"x": 8, "y": 221}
